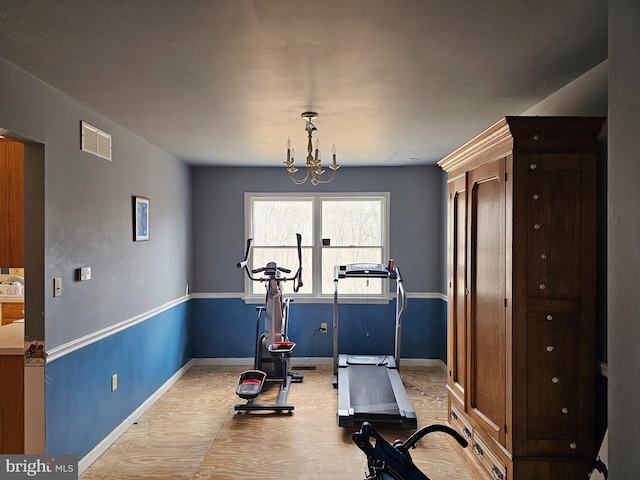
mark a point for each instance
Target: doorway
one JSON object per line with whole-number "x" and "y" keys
{"x": 31, "y": 421}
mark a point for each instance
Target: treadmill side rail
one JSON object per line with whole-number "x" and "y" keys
{"x": 407, "y": 413}
{"x": 345, "y": 412}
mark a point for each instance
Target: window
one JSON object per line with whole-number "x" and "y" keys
{"x": 336, "y": 229}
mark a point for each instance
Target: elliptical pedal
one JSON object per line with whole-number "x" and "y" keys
{"x": 250, "y": 383}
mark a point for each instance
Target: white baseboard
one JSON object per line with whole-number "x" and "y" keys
{"x": 86, "y": 461}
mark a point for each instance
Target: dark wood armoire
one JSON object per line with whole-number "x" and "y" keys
{"x": 521, "y": 299}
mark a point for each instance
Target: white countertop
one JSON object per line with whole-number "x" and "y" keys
{"x": 12, "y": 339}
{"x": 11, "y": 298}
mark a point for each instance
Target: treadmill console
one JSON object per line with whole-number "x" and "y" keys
{"x": 363, "y": 270}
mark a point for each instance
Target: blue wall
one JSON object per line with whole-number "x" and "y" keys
{"x": 81, "y": 409}
{"x": 225, "y": 328}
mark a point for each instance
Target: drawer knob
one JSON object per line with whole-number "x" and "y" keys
{"x": 497, "y": 474}
{"x": 477, "y": 449}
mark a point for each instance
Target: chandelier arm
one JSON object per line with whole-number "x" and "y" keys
{"x": 298, "y": 181}
{"x": 333, "y": 174}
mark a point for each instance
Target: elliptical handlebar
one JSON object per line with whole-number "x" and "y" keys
{"x": 298, "y": 276}
{"x": 271, "y": 272}
{"x": 262, "y": 269}
{"x": 243, "y": 263}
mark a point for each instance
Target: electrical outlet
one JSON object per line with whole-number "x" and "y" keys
{"x": 114, "y": 382}
{"x": 323, "y": 327}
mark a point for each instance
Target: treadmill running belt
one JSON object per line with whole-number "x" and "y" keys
{"x": 370, "y": 390}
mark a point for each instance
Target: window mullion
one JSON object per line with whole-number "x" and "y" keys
{"x": 317, "y": 246}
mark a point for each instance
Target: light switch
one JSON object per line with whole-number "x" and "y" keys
{"x": 57, "y": 287}
{"x": 85, "y": 273}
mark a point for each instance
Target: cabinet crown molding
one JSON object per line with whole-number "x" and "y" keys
{"x": 513, "y": 133}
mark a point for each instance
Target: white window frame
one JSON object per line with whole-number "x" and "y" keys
{"x": 317, "y": 296}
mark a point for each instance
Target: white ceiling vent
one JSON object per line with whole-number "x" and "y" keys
{"x": 96, "y": 141}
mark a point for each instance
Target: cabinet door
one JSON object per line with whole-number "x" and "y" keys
{"x": 555, "y": 295}
{"x": 11, "y": 203}
{"x": 12, "y": 402}
{"x": 456, "y": 322}
{"x": 487, "y": 324}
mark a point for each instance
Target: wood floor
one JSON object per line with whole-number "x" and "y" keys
{"x": 193, "y": 432}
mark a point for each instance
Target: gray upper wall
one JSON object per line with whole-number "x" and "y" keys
{"x": 624, "y": 239}
{"x": 584, "y": 96}
{"x": 88, "y": 215}
{"x": 417, "y": 197}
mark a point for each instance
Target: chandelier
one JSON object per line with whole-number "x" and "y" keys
{"x": 313, "y": 167}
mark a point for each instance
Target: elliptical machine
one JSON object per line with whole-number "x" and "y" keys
{"x": 273, "y": 349}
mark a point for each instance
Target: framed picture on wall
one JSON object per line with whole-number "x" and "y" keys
{"x": 140, "y": 219}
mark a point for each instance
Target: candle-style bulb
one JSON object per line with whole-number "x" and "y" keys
{"x": 289, "y": 143}
{"x": 334, "y": 166}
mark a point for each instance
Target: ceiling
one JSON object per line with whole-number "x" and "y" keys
{"x": 223, "y": 82}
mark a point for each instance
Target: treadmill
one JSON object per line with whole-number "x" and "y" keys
{"x": 369, "y": 386}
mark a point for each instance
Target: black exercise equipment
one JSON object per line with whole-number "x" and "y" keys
{"x": 369, "y": 386}
{"x": 393, "y": 462}
{"x": 273, "y": 348}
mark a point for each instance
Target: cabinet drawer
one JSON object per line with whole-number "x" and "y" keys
{"x": 460, "y": 423}
{"x": 12, "y": 312}
{"x": 489, "y": 460}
